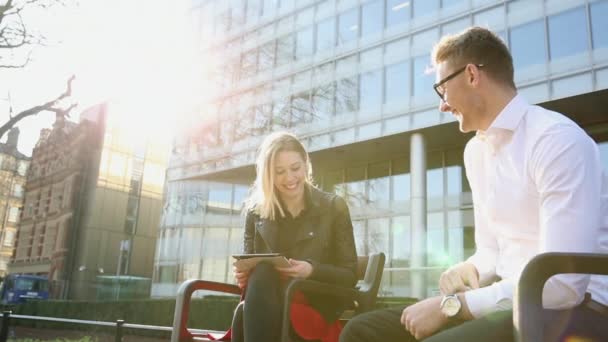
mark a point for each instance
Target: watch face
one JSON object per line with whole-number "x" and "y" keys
{"x": 451, "y": 306}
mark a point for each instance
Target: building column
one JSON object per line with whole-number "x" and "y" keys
{"x": 418, "y": 214}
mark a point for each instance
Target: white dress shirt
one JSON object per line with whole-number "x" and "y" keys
{"x": 537, "y": 186}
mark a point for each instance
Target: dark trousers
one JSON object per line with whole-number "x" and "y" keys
{"x": 385, "y": 325}
{"x": 258, "y": 318}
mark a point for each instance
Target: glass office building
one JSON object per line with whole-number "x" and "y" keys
{"x": 352, "y": 78}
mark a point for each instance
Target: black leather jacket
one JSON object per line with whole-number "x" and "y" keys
{"x": 325, "y": 239}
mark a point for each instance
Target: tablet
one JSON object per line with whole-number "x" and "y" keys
{"x": 258, "y": 255}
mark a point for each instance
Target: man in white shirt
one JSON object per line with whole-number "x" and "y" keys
{"x": 537, "y": 187}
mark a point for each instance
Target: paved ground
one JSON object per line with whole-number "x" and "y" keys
{"x": 18, "y": 333}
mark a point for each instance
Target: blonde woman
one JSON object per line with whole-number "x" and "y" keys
{"x": 287, "y": 214}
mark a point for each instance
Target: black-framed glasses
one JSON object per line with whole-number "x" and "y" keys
{"x": 438, "y": 86}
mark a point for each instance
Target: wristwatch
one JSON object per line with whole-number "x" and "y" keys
{"x": 450, "y": 305}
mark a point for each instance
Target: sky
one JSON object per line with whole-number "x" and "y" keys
{"x": 138, "y": 54}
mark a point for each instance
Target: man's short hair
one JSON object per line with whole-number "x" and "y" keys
{"x": 477, "y": 45}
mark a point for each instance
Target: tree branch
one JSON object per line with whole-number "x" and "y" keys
{"x": 48, "y": 106}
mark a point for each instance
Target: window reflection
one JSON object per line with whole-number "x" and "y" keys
{"x": 397, "y": 82}
{"x": 599, "y": 24}
{"x": 304, "y": 45}
{"x": 425, "y": 7}
{"x": 401, "y": 241}
{"x": 348, "y": 26}
{"x": 253, "y": 10}
{"x": 568, "y": 33}
{"x": 423, "y": 78}
{"x": 326, "y": 34}
{"x": 347, "y": 95}
{"x": 372, "y": 17}
{"x": 528, "y": 44}
{"x": 300, "y": 109}
{"x": 377, "y": 235}
{"x": 262, "y": 119}
{"x": 323, "y": 101}
{"x": 248, "y": 64}
{"x": 266, "y": 55}
{"x": 397, "y": 12}
{"x": 269, "y": 7}
{"x": 371, "y": 89}
{"x": 281, "y": 112}
{"x": 285, "y": 47}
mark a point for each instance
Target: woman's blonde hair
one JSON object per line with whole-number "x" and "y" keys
{"x": 264, "y": 198}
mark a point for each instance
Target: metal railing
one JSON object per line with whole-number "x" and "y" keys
{"x": 119, "y": 324}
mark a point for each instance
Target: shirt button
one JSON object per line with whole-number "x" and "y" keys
{"x": 311, "y": 234}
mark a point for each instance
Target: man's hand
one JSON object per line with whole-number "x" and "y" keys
{"x": 241, "y": 277}
{"x": 424, "y": 318}
{"x": 459, "y": 278}
{"x": 298, "y": 269}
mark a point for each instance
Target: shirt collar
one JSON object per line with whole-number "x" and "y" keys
{"x": 505, "y": 122}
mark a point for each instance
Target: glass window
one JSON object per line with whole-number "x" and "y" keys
{"x": 355, "y": 186}
{"x": 323, "y": 101}
{"x": 401, "y": 241}
{"x": 9, "y": 238}
{"x": 454, "y": 178}
{"x": 434, "y": 183}
{"x": 401, "y": 187}
{"x": 397, "y": 12}
{"x": 372, "y": 17}
{"x": 285, "y": 47}
{"x": 280, "y": 114}
{"x": 348, "y": 26}
{"x": 287, "y": 4}
{"x": 17, "y": 190}
{"x": 528, "y": 44}
{"x": 269, "y": 7}
{"x": 347, "y": 90}
{"x": 397, "y": 82}
{"x": 13, "y": 214}
{"x": 300, "y": 109}
{"x": 326, "y": 34}
{"x": 262, "y": 119}
{"x": 379, "y": 183}
{"x": 451, "y": 3}
{"x": 370, "y": 94}
{"x": 305, "y": 17}
{"x": 243, "y": 124}
{"x": 304, "y": 46}
{"x": 238, "y": 13}
{"x": 599, "y": 24}
{"x": 22, "y": 168}
{"x": 253, "y": 10}
{"x": 425, "y": 7}
{"x": 248, "y": 63}
{"x": 266, "y": 55}
{"x": 568, "y": 33}
{"x": 377, "y": 235}
{"x": 423, "y": 78}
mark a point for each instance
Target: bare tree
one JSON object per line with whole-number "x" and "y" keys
{"x": 17, "y": 41}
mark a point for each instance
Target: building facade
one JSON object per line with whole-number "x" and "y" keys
{"x": 352, "y": 79}
{"x": 92, "y": 205}
{"x": 13, "y": 170}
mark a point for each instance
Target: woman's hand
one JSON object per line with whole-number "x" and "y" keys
{"x": 298, "y": 269}
{"x": 241, "y": 277}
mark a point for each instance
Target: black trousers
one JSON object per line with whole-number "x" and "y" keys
{"x": 385, "y": 325}
{"x": 258, "y": 318}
